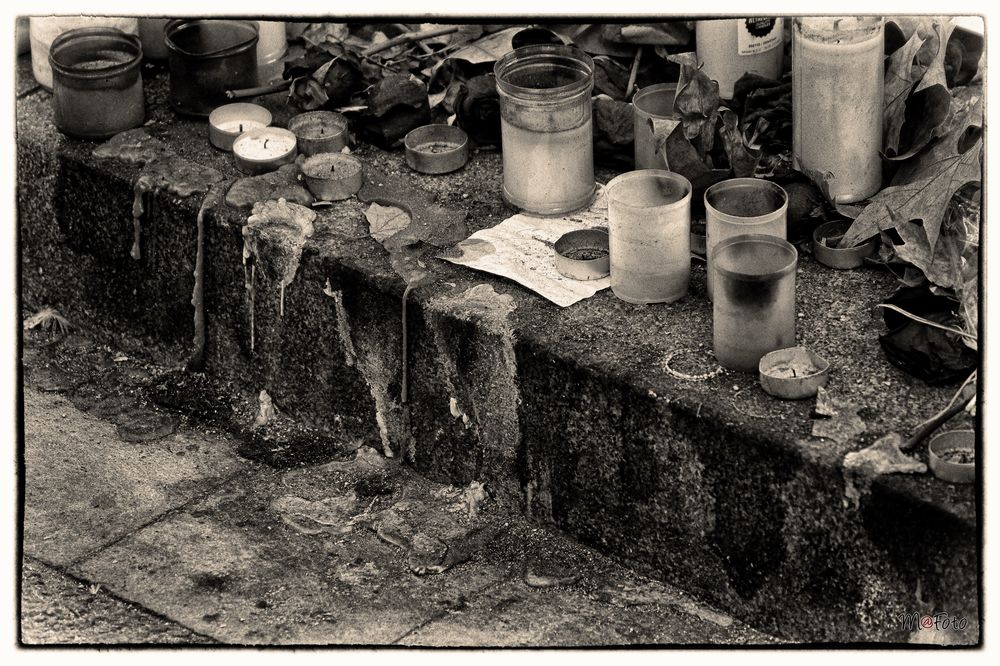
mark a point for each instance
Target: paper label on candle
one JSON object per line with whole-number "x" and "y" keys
{"x": 758, "y": 34}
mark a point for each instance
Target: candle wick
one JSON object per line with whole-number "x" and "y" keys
{"x": 321, "y": 131}
{"x": 265, "y": 143}
{"x": 241, "y": 128}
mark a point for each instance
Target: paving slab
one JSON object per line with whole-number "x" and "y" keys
{"x": 86, "y": 487}
{"x": 57, "y": 609}
{"x": 229, "y": 566}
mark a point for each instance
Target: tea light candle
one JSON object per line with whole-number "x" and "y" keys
{"x": 837, "y": 100}
{"x": 265, "y": 149}
{"x": 333, "y": 176}
{"x": 319, "y": 132}
{"x": 753, "y": 312}
{"x": 230, "y": 120}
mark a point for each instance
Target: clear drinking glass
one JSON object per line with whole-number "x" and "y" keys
{"x": 546, "y": 124}
{"x": 649, "y": 235}
{"x": 654, "y": 103}
{"x": 742, "y": 206}
{"x": 754, "y": 308}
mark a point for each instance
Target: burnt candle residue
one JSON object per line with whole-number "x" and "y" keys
{"x": 760, "y": 266}
{"x": 746, "y": 202}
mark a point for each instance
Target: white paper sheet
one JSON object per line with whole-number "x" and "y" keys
{"x": 520, "y": 248}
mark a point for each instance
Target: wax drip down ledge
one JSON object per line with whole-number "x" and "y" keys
{"x": 162, "y": 170}
{"x": 273, "y": 238}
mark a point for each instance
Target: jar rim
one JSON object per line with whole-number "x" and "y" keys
{"x": 176, "y": 25}
{"x": 658, "y": 174}
{"x": 731, "y": 183}
{"x": 539, "y": 52}
{"x": 765, "y": 239}
{"x": 120, "y": 41}
{"x": 640, "y": 93}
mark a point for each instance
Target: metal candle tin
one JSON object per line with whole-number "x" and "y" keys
{"x": 96, "y": 82}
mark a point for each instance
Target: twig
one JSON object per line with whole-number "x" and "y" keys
{"x": 634, "y": 72}
{"x": 243, "y": 93}
{"x": 403, "y": 29}
{"x": 957, "y": 403}
{"x": 928, "y": 322}
{"x": 408, "y": 37}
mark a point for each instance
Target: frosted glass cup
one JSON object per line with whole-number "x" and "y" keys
{"x": 742, "y": 206}
{"x": 546, "y": 126}
{"x": 654, "y": 103}
{"x": 754, "y": 309}
{"x": 649, "y": 235}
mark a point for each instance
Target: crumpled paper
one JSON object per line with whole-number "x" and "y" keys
{"x": 521, "y": 248}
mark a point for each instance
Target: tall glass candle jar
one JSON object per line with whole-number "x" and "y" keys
{"x": 546, "y": 127}
{"x": 649, "y": 235}
{"x": 272, "y": 45}
{"x": 837, "y": 100}
{"x": 44, "y": 29}
{"x": 754, "y": 308}
{"x": 729, "y": 48}
{"x": 653, "y": 103}
{"x": 742, "y": 206}
{"x": 96, "y": 82}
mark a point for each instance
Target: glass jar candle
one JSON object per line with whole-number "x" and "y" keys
{"x": 730, "y": 48}
{"x": 654, "y": 116}
{"x": 742, "y": 206}
{"x": 96, "y": 82}
{"x": 837, "y": 100}
{"x": 649, "y": 235}
{"x": 753, "y": 312}
{"x": 43, "y": 30}
{"x": 546, "y": 128}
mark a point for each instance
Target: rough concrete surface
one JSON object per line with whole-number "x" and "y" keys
{"x": 359, "y": 551}
{"x": 571, "y": 415}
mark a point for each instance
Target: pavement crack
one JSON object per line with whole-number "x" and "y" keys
{"x": 78, "y": 561}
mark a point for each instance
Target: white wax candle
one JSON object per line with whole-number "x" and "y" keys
{"x": 265, "y": 149}
{"x": 837, "y": 99}
{"x": 239, "y": 125}
{"x": 264, "y": 146}
{"x": 729, "y": 48}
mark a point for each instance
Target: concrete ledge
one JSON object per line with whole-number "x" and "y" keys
{"x": 568, "y": 413}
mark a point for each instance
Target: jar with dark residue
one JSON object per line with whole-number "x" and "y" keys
{"x": 753, "y": 312}
{"x": 207, "y": 58}
{"x": 97, "y": 82}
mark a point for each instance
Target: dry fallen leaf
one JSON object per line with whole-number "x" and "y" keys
{"x": 385, "y": 221}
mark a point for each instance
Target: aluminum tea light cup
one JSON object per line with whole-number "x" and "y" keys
{"x": 794, "y": 373}
{"x": 952, "y": 456}
{"x": 435, "y": 149}
{"x": 583, "y": 254}
{"x": 264, "y": 149}
{"x": 825, "y": 239}
{"x": 228, "y": 121}
{"x": 742, "y": 206}
{"x": 333, "y": 176}
{"x": 319, "y": 132}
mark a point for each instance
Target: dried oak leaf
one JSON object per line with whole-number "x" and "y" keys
{"x": 696, "y": 102}
{"x": 385, "y": 221}
{"x": 925, "y": 198}
{"x": 899, "y": 81}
